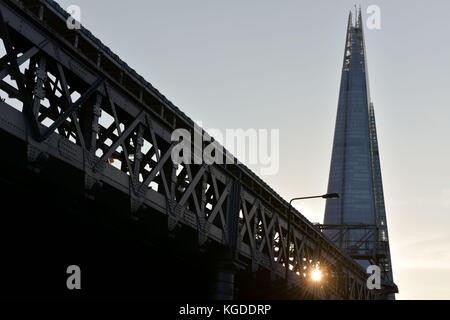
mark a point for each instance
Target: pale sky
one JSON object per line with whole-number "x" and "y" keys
{"x": 276, "y": 65}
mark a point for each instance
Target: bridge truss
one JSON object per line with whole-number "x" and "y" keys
{"x": 68, "y": 97}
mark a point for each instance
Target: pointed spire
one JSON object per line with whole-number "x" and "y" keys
{"x": 358, "y": 182}
{"x": 349, "y": 24}
{"x": 359, "y": 23}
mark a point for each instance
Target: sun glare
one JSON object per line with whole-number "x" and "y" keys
{"x": 316, "y": 275}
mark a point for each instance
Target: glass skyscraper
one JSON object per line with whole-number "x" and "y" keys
{"x": 356, "y": 221}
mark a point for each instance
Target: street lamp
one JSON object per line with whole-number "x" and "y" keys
{"x": 324, "y": 196}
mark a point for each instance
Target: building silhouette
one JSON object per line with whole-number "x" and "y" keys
{"x": 356, "y": 222}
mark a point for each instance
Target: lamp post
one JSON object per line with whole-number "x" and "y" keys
{"x": 324, "y": 196}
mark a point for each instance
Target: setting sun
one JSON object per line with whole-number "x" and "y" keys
{"x": 316, "y": 275}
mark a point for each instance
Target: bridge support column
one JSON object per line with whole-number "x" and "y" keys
{"x": 227, "y": 258}
{"x": 223, "y": 283}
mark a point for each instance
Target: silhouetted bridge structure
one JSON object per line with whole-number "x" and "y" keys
{"x": 88, "y": 179}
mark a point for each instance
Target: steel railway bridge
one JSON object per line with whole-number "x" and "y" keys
{"x": 88, "y": 177}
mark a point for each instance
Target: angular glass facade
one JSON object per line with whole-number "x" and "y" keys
{"x": 356, "y": 221}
